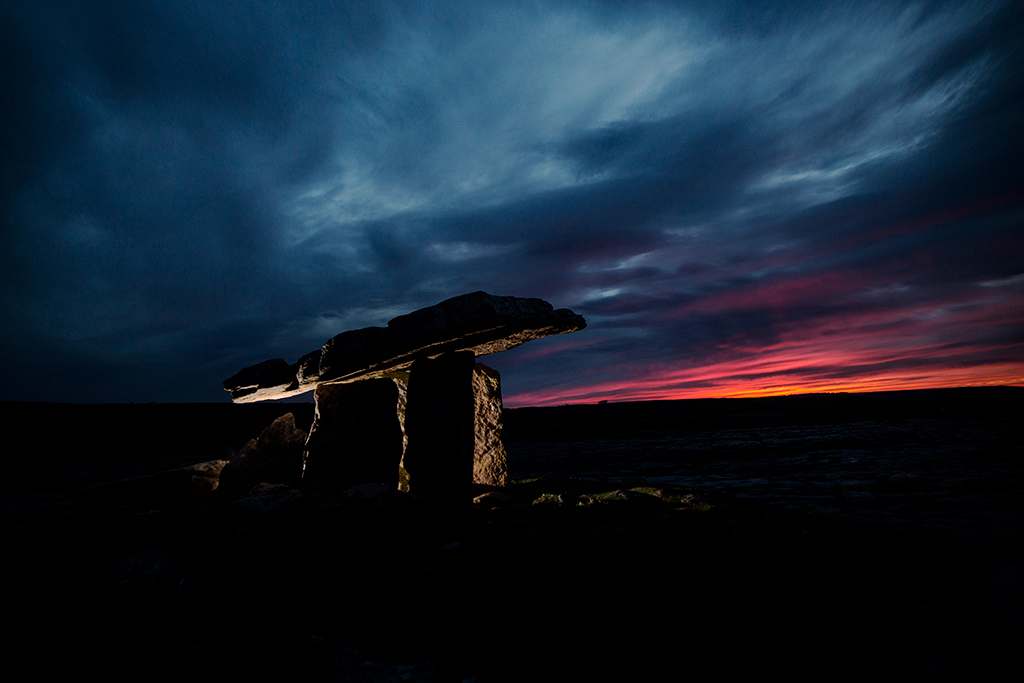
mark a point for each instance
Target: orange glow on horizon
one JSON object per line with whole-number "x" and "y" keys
{"x": 868, "y": 339}
{"x": 1008, "y": 374}
{"x": 841, "y": 355}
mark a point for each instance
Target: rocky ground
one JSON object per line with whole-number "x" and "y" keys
{"x": 805, "y": 538}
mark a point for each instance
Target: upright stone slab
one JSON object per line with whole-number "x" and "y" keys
{"x": 356, "y": 437}
{"x": 490, "y": 463}
{"x": 439, "y": 423}
{"x": 401, "y": 380}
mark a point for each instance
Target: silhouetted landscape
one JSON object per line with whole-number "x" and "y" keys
{"x": 814, "y": 537}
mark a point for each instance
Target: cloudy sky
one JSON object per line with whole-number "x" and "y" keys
{"x": 740, "y": 200}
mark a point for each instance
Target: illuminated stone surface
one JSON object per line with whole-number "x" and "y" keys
{"x": 406, "y": 405}
{"x": 477, "y": 322}
{"x": 275, "y": 457}
{"x": 261, "y": 381}
{"x": 490, "y": 463}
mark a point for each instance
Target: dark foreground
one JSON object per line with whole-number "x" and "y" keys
{"x": 844, "y": 537}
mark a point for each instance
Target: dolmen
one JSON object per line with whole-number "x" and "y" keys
{"x": 407, "y": 406}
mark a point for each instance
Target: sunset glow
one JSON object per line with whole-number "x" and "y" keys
{"x": 742, "y": 199}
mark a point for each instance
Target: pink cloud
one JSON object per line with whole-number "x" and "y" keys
{"x": 967, "y": 340}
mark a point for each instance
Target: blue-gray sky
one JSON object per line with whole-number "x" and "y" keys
{"x": 739, "y": 197}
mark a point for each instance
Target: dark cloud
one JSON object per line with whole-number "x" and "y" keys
{"x": 740, "y": 197}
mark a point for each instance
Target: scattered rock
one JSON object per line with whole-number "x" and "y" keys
{"x": 493, "y": 499}
{"x": 155, "y": 490}
{"x": 276, "y": 457}
{"x": 548, "y": 499}
{"x": 266, "y": 497}
{"x": 150, "y": 573}
{"x": 638, "y": 497}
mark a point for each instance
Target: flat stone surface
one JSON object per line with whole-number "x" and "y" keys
{"x": 263, "y": 381}
{"x": 478, "y": 322}
{"x": 490, "y": 463}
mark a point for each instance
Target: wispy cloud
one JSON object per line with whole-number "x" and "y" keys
{"x": 739, "y": 198}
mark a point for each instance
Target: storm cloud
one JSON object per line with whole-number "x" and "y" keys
{"x": 740, "y": 200}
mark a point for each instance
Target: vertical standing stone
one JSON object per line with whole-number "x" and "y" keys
{"x": 401, "y": 380}
{"x": 439, "y": 424}
{"x": 356, "y": 437}
{"x": 490, "y": 463}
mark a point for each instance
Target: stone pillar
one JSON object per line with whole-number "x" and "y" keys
{"x": 490, "y": 463}
{"x": 355, "y": 438}
{"x": 401, "y": 380}
{"x": 439, "y": 421}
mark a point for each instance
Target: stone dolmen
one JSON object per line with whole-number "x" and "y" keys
{"x": 407, "y": 405}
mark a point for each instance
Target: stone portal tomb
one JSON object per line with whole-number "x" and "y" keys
{"x": 407, "y": 405}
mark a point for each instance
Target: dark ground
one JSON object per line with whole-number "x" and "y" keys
{"x": 830, "y": 537}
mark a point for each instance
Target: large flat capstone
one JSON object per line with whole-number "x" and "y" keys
{"x": 477, "y": 322}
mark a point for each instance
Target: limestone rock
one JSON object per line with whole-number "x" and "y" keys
{"x": 155, "y": 490}
{"x": 264, "y": 497}
{"x": 275, "y": 457}
{"x": 490, "y": 463}
{"x": 494, "y": 499}
{"x": 269, "y": 379}
{"x": 439, "y": 424}
{"x": 356, "y": 437}
{"x": 477, "y": 322}
{"x": 151, "y": 573}
{"x": 308, "y": 370}
{"x": 401, "y": 380}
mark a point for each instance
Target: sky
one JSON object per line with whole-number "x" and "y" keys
{"x": 741, "y": 198}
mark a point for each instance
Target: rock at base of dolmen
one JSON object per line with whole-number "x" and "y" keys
{"x": 356, "y": 437}
{"x": 490, "y": 463}
{"x": 439, "y": 424}
{"x": 155, "y": 490}
{"x": 275, "y": 457}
